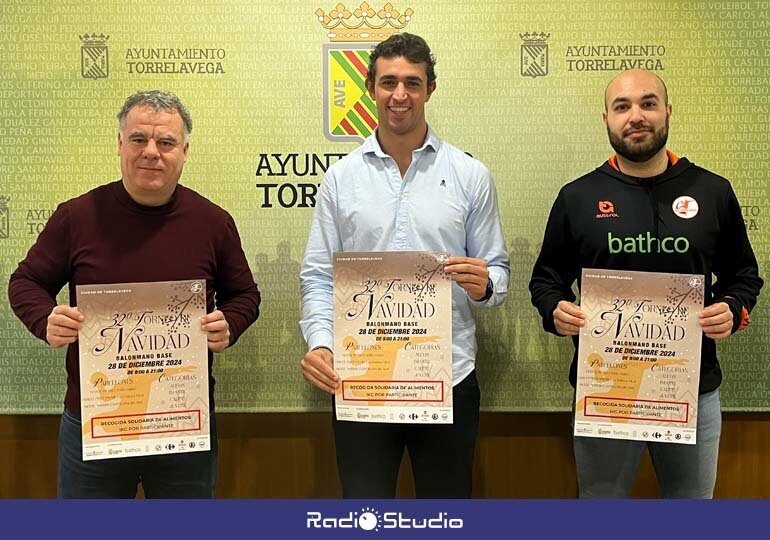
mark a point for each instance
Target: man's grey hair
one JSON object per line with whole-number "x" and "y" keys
{"x": 159, "y": 101}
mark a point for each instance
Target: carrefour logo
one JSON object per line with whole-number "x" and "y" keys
{"x": 647, "y": 244}
{"x": 370, "y": 519}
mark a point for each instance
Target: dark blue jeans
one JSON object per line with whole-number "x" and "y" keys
{"x": 369, "y": 454}
{"x": 171, "y": 476}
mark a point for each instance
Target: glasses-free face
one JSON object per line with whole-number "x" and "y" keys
{"x": 637, "y": 115}
{"x": 152, "y": 154}
{"x": 401, "y": 90}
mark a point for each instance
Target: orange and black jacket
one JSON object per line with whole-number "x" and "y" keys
{"x": 686, "y": 220}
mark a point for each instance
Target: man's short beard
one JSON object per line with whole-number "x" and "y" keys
{"x": 639, "y": 153}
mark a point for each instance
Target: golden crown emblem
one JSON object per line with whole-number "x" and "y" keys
{"x": 535, "y": 37}
{"x": 363, "y": 23}
{"x": 94, "y": 39}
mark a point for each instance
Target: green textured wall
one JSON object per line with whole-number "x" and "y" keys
{"x": 257, "y": 96}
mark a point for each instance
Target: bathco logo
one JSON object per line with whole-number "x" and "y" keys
{"x": 371, "y": 519}
{"x": 647, "y": 243}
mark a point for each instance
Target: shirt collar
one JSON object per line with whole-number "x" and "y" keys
{"x": 672, "y": 159}
{"x": 372, "y": 146}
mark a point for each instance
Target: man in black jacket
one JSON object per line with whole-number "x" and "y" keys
{"x": 646, "y": 209}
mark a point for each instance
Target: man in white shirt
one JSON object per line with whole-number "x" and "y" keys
{"x": 405, "y": 189}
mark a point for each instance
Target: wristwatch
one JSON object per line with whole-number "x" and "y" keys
{"x": 488, "y": 293}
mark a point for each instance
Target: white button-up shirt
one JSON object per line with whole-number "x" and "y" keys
{"x": 446, "y": 201}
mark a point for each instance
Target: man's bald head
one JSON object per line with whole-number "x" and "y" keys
{"x": 633, "y": 79}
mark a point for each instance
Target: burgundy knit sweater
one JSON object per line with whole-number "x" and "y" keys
{"x": 104, "y": 236}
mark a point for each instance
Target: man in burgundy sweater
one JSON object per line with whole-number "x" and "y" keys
{"x": 142, "y": 228}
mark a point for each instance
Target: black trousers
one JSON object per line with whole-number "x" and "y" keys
{"x": 369, "y": 454}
